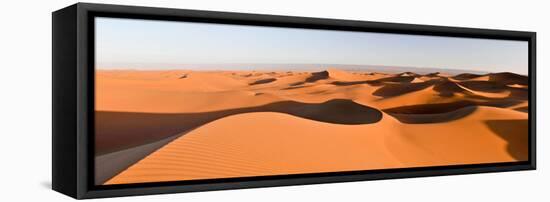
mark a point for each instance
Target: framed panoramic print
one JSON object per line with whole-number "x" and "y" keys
{"x": 154, "y": 100}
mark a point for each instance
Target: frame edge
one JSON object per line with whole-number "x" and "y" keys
{"x": 64, "y": 176}
{"x": 84, "y": 191}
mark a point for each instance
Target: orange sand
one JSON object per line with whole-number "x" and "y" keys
{"x": 248, "y": 123}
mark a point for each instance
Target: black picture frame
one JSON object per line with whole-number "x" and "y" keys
{"x": 73, "y": 99}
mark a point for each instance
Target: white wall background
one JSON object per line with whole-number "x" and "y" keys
{"x": 25, "y": 101}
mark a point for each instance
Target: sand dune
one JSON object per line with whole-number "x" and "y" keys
{"x": 220, "y": 149}
{"x": 108, "y": 165}
{"x": 121, "y": 130}
{"x": 468, "y": 139}
{"x": 118, "y": 131}
{"x": 309, "y": 146}
{"x": 498, "y": 93}
{"x": 181, "y": 124}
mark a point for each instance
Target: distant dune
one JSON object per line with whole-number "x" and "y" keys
{"x": 181, "y": 125}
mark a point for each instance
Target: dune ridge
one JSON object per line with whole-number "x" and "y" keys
{"x": 143, "y": 128}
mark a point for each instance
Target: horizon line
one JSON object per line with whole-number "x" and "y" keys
{"x": 211, "y": 66}
{"x": 313, "y": 67}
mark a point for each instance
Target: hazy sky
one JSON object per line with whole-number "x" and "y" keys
{"x": 151, "y": 44}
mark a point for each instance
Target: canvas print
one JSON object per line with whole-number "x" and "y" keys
{"x": 178, "y": 101}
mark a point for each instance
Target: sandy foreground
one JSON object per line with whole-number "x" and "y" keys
{"x": 154, "y": 126}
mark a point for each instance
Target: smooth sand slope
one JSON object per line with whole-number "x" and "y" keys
{"x": 181, "y": 125}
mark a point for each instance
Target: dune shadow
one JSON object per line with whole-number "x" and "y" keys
{"x": 377, "y": 82}
{"x": 496, "y": 87}
{"x": 466, "y": 76}
{"x": 263, "y": 81}
{"x": 411, "y": 74}
{"x": 297, "y": 83}
{"x": 348, "y": 83}
{"x": 516, "y": 134}
{"x": 396, "y": 79}
{"x": 319, "y": 92}
{"x": 508, "y": 78}
{"x": 433, "y": 74}
{"x": 484, "y": 86}
{"x": 500, "y": 103}
{"x": 519, "y": 93}
{"x": 316, "y": 76}
{"x": 522, "y": 109}
{"x": 448, "y": 88}
{"x": 109, "y": 165}
{"x": 432, "y": 113}
{"x": 442, "y": 112}
{"x": 293, "y": 87}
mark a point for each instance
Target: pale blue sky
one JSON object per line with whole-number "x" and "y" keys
{"x": 153, "y": 44}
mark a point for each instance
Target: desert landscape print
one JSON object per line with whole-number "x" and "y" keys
{"x": 189, "y": 101}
